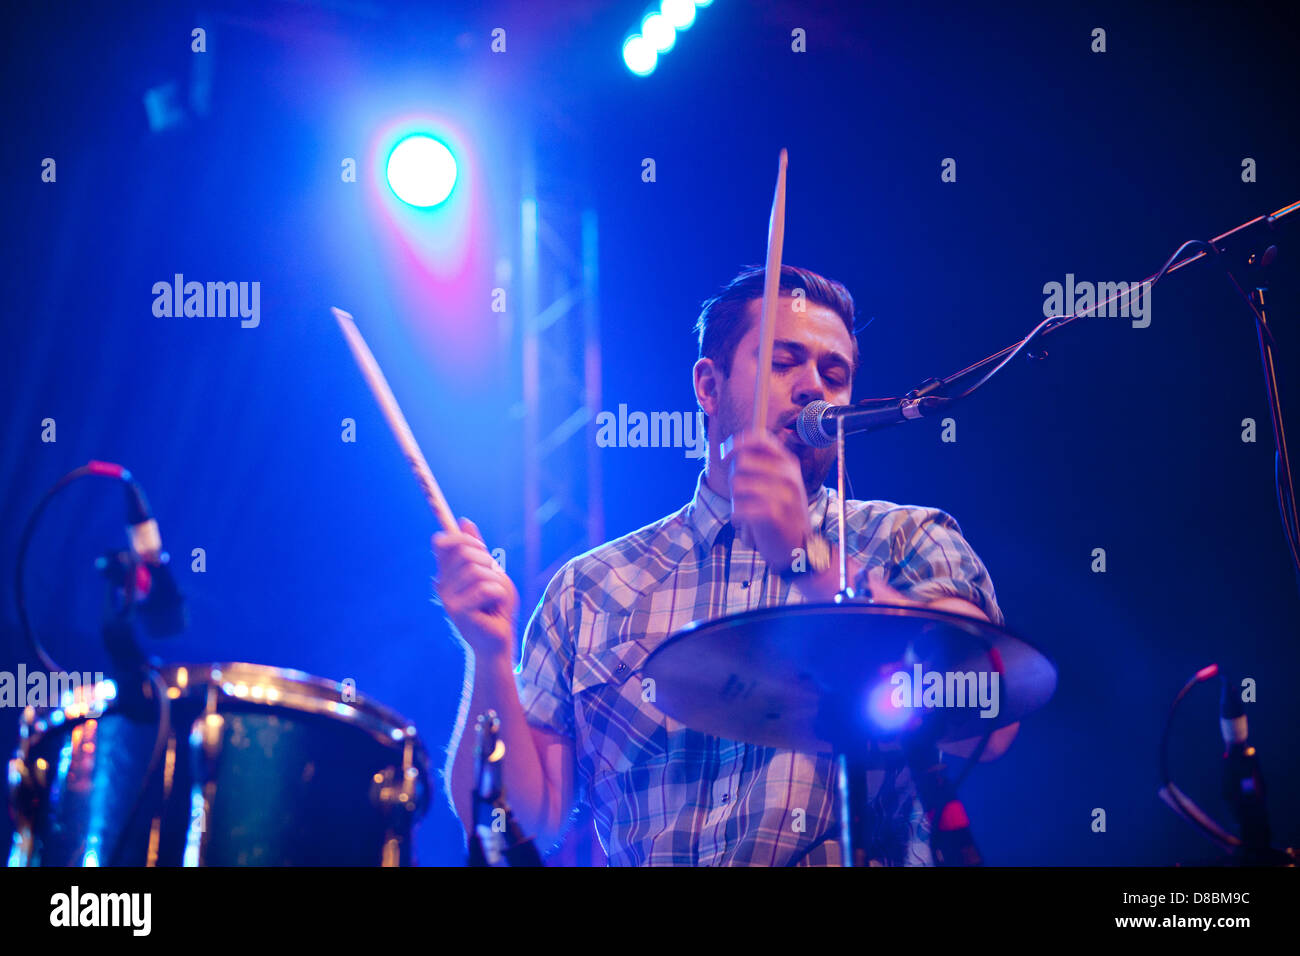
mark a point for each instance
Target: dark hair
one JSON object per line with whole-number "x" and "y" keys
{"x": 722, "y": 322}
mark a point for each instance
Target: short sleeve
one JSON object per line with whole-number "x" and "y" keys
{"x": 544, "y": 678}
{"x": 935, "y": 561}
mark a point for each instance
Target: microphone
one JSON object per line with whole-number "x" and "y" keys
{"x": 497, "y": 838}
{"x": 160, "y": 605}
{"x": 816, "y": 424}
{"x": 141, "y": 526}
{"x": 1243, "y": 781}
{"x": 141, "y": 582}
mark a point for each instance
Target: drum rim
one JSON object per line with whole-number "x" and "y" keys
{"x": 295, "y": 689}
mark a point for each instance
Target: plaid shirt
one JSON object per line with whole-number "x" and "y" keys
{"x": 663, "y": 794}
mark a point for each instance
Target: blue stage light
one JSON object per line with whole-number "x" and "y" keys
{"x": 881, "y": 711}
{"x": 421, "y": 170}
{"x": 657, "y": 30}
{"x": 680, "y": 13}
{"x": 640, "y": 55}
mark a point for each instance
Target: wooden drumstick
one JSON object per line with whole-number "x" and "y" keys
{"x": 771, "y": 292}
{"x": 374, "y": 377}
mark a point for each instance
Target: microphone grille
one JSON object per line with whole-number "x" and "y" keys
{"x": 809, "y": 425}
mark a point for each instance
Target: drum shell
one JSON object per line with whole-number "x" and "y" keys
{"x": 311, "y": 777}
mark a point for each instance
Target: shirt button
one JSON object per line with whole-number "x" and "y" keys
{"x": 621, "y": 669}
{"x": 726, "y": 797}
{"x": 744, "y": 584}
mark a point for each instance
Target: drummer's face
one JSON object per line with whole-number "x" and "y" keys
{"x": 811, "y": 360}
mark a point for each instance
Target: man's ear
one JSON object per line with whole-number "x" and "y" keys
{"x": 708, "y": 386}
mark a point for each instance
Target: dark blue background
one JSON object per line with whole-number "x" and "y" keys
{"x": 317, "y": 551}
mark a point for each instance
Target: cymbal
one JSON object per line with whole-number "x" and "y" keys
{"x": 835, "y": 677}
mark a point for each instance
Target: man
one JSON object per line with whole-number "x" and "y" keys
{"x": 760, "y": 531}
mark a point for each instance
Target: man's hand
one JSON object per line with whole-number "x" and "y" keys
{"x": 882, "y": 593}
{"x": 769, "y": 504}
{"x": 480, "y": 598}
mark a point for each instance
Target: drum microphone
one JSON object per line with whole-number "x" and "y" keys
{"x": 1243, "y": 781}
{"x": 497, "y": 839}
{"x": 141, "y": 525}
{"x": 816, "y": 424}
{"x": 158, "y": 600}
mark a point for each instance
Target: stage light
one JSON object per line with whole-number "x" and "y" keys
{"x": 680, "y": 13}
{"x": 881, "y": 711}
{"x": 658, "y": 34}
{"x": 640, "y": 55}
{"x": 703, "y": 3}
{"x": 656, "y": 29}
{"x": 421, "y": 170}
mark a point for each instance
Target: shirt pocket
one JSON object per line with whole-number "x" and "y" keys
{"x": 618, "y": 727}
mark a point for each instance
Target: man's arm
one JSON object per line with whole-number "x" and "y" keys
{"x": 539, "y": 765}
{"x": 482, "y": 603}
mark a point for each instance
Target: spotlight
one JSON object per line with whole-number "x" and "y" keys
{"x": 656, "y": 29}
{"x": 421, "y": 170}
{"x": 680, "y": 13}
{"x": 640, "y": 55}
{"x": 881, "y": 712}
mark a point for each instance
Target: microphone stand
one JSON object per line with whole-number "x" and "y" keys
{"x": 850, "y": 762}
{"x": 129, "y": 665}
{"x": 951, "y": 840}
{"x": 845, "y": 592}
{"x": 1283, "y": 476}
{"x": 1240, "y": 242}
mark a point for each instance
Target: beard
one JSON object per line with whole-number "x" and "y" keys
{"x": 814, "y": 463}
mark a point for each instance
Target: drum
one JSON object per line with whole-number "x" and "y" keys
{"x": 244, "y": 765}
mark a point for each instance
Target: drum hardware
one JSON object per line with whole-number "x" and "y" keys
{"x": 816, "y": 678}
{"x": 206, "y": 735}
{"x": 497, "y": 838}
{"x": 396, "y": 791}
{"x": 845, "y": 592}
{"x": 169, "y": 776}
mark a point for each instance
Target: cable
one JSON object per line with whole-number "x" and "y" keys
{"x": 1190, "y": 811}
{"x": 1062, "y": 320}
{"x": 100, "y": 469}
{"x": 1286, "y": 506}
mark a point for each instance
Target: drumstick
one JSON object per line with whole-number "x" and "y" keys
{"x": 374, "y": 377}
{"x": 771, "y": 292}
